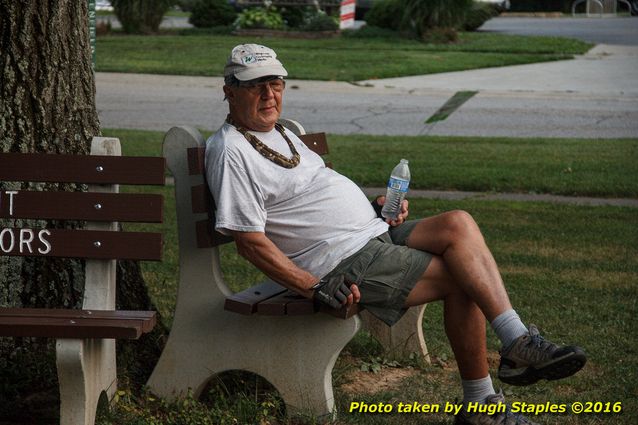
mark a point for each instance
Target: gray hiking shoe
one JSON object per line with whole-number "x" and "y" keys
{"x": 501, "y": 416}
{"x": 531, "y": 358}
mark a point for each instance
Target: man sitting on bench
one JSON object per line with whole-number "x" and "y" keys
{"x": 312, "y": 230}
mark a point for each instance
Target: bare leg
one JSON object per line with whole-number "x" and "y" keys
{"x": 464, "y": 321}
{"x": 455, "y": 236}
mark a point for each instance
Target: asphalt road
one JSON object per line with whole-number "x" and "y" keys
{"x": 606, "y": 30}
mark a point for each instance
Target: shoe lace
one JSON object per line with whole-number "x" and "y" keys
{"x": 538, "y": 347}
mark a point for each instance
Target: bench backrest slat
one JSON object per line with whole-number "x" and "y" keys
{"x": 90, "y": 169}
{"x": 316, "y": 142}
{"x": 89, "y": 244}
{"x": 91, "y": 206}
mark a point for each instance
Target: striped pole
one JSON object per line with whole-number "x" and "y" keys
{"x": 347, "y": 14}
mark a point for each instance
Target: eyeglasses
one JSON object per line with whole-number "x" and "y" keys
{"x": 277, "y": 85}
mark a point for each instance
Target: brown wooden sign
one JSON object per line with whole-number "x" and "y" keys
{"x": 91, "y": 206}
{"x": 71, "y": 243}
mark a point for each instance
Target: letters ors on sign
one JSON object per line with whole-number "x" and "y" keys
{"x": 22, "y": 241}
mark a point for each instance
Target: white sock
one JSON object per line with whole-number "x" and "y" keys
{"x": 508, "y": 327}
{"x": 477, "y": 389}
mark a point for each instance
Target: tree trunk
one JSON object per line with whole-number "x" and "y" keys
{"x": 47, "y": 104}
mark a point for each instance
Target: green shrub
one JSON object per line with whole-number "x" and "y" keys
{"x": 260, "y": 17}
{"x": 294, "y": 16}
{"x": 319, "y": 21}
{"x": 440, "y": 35}
{"x": 421, "y": 17}
{"x": 212, "y": 13}
{"x": 385, "y": 14}
{"x": 478, "y": 15}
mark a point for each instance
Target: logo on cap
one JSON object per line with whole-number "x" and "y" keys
{"x": 248, "y": 59}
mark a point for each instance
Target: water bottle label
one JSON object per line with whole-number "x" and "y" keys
{"x": 398, "y": 184}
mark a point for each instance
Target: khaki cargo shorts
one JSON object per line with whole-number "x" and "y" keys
{"x": 385, "y": 270}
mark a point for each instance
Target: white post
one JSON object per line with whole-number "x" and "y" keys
{"x": 347, "y": 14}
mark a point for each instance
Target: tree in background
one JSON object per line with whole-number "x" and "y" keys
{"x": 47, "y": 104}
{"x": 141, "y": 16}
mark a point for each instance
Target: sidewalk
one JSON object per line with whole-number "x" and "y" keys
{"x": 520, "y": 197}
{"x": 605, "y": 69}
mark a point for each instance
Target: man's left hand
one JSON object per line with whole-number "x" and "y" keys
{"x": 403, "y": 215}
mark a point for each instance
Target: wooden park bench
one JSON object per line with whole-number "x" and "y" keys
{"x": 85, "y": 347}
{"x": 266, "y": 329}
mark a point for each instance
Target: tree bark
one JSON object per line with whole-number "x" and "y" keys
{"x": 47, "y": 104}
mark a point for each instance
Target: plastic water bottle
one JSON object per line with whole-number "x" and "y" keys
{"x": 397, "y": 188}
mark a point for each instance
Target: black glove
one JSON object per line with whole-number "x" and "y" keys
{"x": 377, "y": 208}
{"x": 332, "y": 291}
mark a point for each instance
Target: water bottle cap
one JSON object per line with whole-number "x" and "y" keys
{"x": 404, "y": 160}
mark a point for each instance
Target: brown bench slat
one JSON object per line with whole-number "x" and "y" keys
{"x": 148, "y": 318}
{"x": 201, "y": 199}
{"x": 287, "y": 303}
{"x": 271, "y": 299}
{"x": 207, "y": 237}
{"x": 70, "y": 328}
{"x": 95, "y": 169}
{"x": 69, "y": 243}
{"x": 196, "y": 158}
{"x": 316, "y": 142}
{"x": 245, "y": 302}
{"x": 126, "y": 207}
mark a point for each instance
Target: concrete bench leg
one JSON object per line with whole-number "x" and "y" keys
{"x": 295, "y": 354}
{"x": 86, "y": 368}
{"x": 402, "y": 339}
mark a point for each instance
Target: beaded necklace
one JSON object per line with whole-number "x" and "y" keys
{"x": 267, "y": 152}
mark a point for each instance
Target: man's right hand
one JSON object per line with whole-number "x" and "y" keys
{"x": 333, "y": 292}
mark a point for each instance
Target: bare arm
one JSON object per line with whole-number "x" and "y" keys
{"x": 264, "y": 254}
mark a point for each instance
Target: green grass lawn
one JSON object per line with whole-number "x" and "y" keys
{"x": 571, "y": 270}
{"x": 341, "y": 58}
{"x": 604, "y": 167}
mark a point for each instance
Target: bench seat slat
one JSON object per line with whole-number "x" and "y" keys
{"x": 271, "y": 299}
{"x": 95, "y": 169}
{"x": 245, "y": 302}
{"x": 70, "y": 243}
{"x": 59, "y": 323}
{"x": 91, "y": 206}
{"x": 287, "y": 303}
{"x": 148, "y": 318}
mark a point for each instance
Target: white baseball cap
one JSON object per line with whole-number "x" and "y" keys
{"x": 251, "y": 61}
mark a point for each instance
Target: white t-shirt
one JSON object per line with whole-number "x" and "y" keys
{"x": 314, "y": 215}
